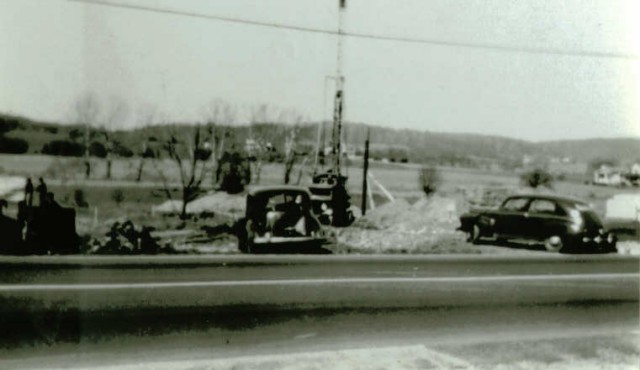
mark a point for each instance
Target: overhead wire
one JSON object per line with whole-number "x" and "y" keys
{"x": 359, "y": 35}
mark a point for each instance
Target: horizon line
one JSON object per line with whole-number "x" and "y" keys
{"x": 315, "y": 122}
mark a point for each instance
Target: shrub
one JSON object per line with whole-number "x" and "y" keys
{"x": 117, "y": 196}
{"x": 63, "y": 148}
{"x": 430, "y": 180}
{"x": 234, "y": 172}
{"x": 79, "y": 198}
{"x": 149, "y": 153}
{"x": 121, "y": 150}
{"x": 537, "y": 178}
{"x": 8, "y": 124}
{"x": 76, "y": 134}
{"x": 13, "y": 146}
{"x": 97, "y": 149}
{"x": 203, "y": 154}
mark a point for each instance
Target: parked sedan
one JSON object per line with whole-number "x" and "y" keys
{"x": 562, "y": 224}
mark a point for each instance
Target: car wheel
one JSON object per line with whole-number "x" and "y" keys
{"x": 245, "y": 236}
{"x": 555, "y": 243}
{"x": 241, "y": 234}
{"x": 475, "y": 233}
{"x": 248, "y": 245}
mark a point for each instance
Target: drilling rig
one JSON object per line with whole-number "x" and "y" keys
{"x": 329, "y": 188}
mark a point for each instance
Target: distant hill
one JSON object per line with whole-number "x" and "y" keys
{"x": 421, "y": 146}
{"x": 621, "y": 149}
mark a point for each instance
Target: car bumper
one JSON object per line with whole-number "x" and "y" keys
{"x": 287, "y": 240}
{"x": 603, "y": 241}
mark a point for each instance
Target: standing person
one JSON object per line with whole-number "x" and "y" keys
{"x": 28, "y": 192}
{"x": 42, "y": 192}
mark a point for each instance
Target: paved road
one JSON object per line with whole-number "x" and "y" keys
{"x": 217, "y": 307}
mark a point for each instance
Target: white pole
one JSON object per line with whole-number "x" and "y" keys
{"x": 384, "y": 190}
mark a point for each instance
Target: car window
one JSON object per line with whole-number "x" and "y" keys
{"x": 515, "y": 204}
{"x": 275, "y": 202}
{"x": 543, "y": 206}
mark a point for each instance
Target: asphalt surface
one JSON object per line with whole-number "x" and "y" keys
{"x": 86, "y": 311}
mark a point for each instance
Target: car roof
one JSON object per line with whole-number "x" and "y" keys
{"x": 278, "y": 189}
{"x": 552, "y": 197}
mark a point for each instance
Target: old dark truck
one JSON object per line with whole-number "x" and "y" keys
{"x": 562, "y": 224}
{"x": 280, "y": 218}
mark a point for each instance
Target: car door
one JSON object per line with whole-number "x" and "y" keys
{"x": 543, "y": 218}
{"x": 510, "y": 216}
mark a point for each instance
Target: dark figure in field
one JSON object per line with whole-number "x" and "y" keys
{"x": 42, "y": 192}
{"x": 28, "y": 192}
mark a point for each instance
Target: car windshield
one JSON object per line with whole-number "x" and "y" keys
{"x": 277, "y": 201}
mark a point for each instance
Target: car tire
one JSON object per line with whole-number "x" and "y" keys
{"x": 248, "y": 245}
{"x": 474, "y": 234}
{"x": 555, "y": 244}
{"x": 245, "y": 236}
{"x": 241, "y": 234}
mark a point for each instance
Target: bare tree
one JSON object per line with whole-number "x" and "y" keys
{"x": 116, "y": 111}
{"x": 87, "y": 110}
{"x": 259, "y": 145}
{"x": 272, "y": 129}
{"x": 192, "y": 165}
{"x": 293, "y": 120}
{"x": 146, "y": 115}
{"x": 218, "y": 114}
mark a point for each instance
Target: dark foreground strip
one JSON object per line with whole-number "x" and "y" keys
{"x": 49, "y": 326}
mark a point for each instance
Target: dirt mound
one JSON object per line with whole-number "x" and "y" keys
{"x": 427, "y": 226}
{"x": 384, "y": 216}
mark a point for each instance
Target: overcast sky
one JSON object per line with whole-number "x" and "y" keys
{"x": 53, "y": 51}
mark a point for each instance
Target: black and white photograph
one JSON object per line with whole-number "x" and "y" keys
{"x": 319, "y": 184}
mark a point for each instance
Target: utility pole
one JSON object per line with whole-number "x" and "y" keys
{"x": 338, "y": 110}
{"x": 365, "y": 169}
{"x": 87, "y": 162}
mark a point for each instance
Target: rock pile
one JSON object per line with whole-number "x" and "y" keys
{"x": 125, "y": 238}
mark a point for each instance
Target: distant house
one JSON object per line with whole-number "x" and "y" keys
{"x": 608, "y": 176}
{"x": 253, "y": 147}
{"x": 635, "y": 169}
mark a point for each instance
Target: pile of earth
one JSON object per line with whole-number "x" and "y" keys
{"x": 427, "y": 226}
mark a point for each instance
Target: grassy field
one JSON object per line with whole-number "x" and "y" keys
{"x": 401, "y": 179}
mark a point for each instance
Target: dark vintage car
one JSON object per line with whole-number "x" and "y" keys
{"x": 280, "y": 218}
{"x": 562, "y": 224}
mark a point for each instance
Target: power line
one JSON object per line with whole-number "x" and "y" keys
{"x": 485, "y": 46}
